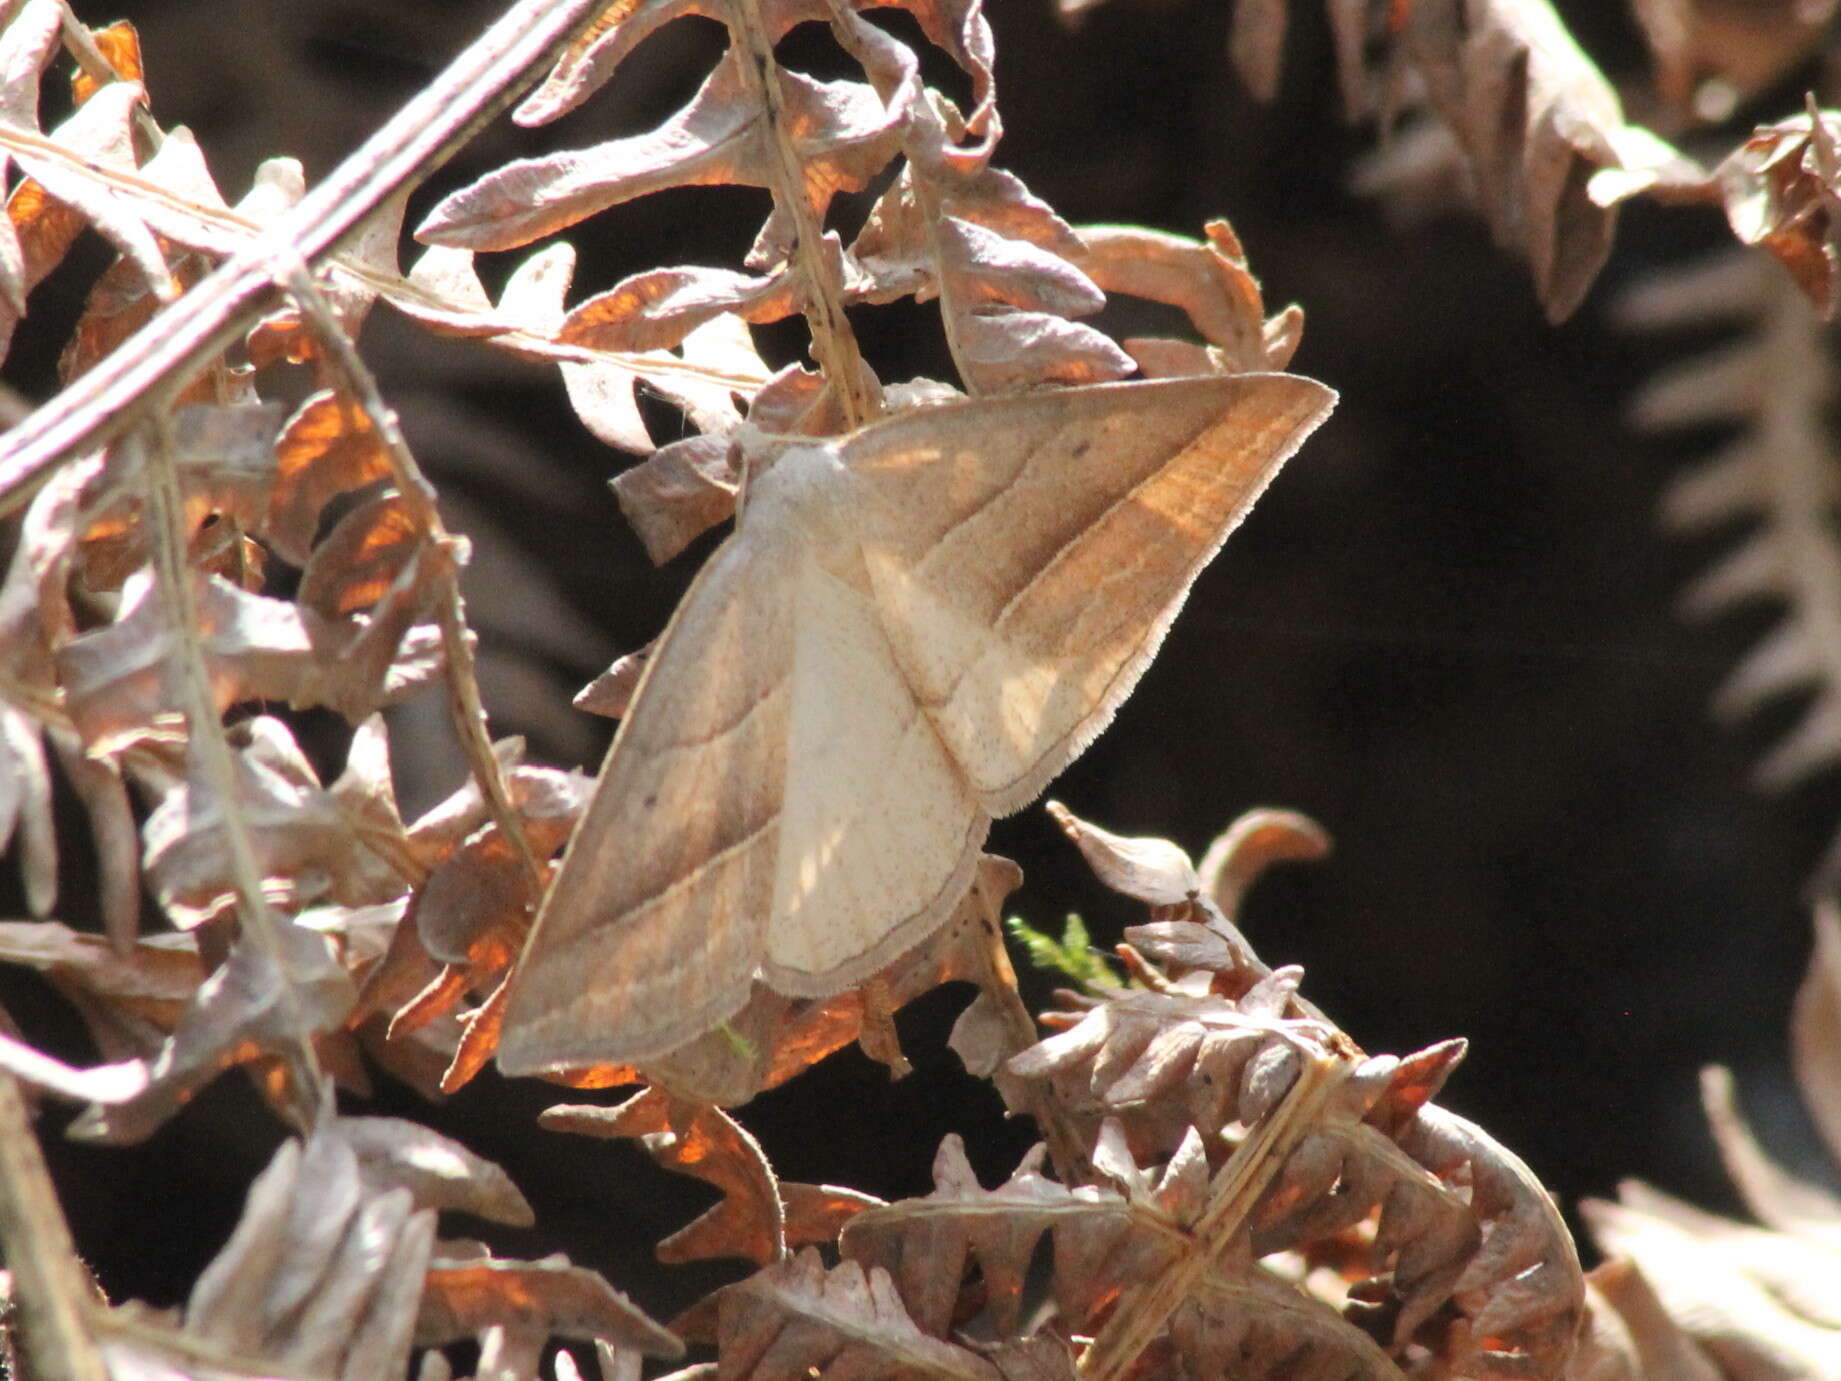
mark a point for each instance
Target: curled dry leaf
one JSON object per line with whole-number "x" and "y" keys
{"x": 758, "y": 1218}
{"x": 514, "y": 1307}
{"x": 680, "y": 491}
{"x": 25, "y": 46}
{"x": 1630, "y": 1336}
{"x": 35, "y": 619}
{"x": 1241, "y": 853}
{"x": 1713, "y": 55}
{"x": 324, "y": 1272}
{"x": 1468, "y": 1261}
{"x": 252, "y": 1009}
{"x": 716, "y": 138}
{"x": 307, "y": 844}
{"x": 457, "y": 928}
{"x": 1733, "y": 1317}
{"x": 1543, "y": 132}
{"x": 1209, "y": 280}
{"x": 929, "y": 1247}
{"x": 438, "y": 1172}
{"x": 1537, "y": 120}
{"x": 68, "y": 173}
{"x": 1153, "y": 871}
{"x": 965, "y": 1251}
{"x": 1815, "y": 1030}
{"x": 1246, "y": 1324}
{"x": 611, "y": 692}
{"x": 797, "y": 1318}
{"x": 130, "y": 1002}
{"x": 255, "y": 648}
{"x": 1781, "y": 193}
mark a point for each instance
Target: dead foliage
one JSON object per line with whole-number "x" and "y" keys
{"x": 220, "y": 525}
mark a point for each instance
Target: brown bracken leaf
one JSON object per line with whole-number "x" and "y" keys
{"x": 796, "y": 1319}
{"x": 323, "y": 1273}
{"x": 130, "y": 1002}
{"x": 515, "y": 1307}
{"x": 1782, "y": 191}
{"x": 250, "y": 1009}
{"x": 697, "y": 1139}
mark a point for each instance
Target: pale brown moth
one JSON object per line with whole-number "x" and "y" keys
{"x": 911, "y": 631}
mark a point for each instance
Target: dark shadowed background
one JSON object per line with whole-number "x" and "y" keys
{"x": 1446, "y": 633}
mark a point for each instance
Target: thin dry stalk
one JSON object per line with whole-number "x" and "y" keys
{"x": 834, "y": 343}
{"x": 49, "y": 1289}
{"x": 115, "y": 395}
{"x": 257, "y": 922}
{"x": 442, "y": 548}
{"x": 1145, "y": 1310}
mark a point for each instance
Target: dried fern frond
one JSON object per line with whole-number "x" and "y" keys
{"x": 1533, "y": 118}
{"x": 1782, "y": 472}
{"x": 1691, "y": 1294}
{"x": 1005, "y": 269}
{"x": 1258, "y": 1198}
{"x": 1470, "y": 1261}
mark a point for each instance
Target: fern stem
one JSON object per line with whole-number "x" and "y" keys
{"x": 834, "y": 342}
{"x": 112, "y": 398}
{"x": 1800, "y": 468}
{"x": 1145, "y": 1309}
{"x": 55, "y": 1301}
{"x": 996, "y": 976}
{"x": 257, "y": 922}
{"x": 80, "y": 43}
{"x": 442, "y": 550}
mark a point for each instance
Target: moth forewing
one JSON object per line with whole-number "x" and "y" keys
{"x": 911, "y": 630}
{"x": 1026, "y": 584}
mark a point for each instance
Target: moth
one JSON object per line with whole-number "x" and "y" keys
{"x": 911, "y": 630}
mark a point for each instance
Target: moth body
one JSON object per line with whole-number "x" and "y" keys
{"x": 912, "y": 630}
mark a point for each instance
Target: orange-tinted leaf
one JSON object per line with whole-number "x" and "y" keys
{"x": 1782, "y": 190}
{"x": 699, "y": 1139}
{"x": 120, "y": 47}
{"x": 327, "y": 448}
{"x": 479, "y": 1038}
{"x": 798, "y": 1319}
{"x": 36, "y": 232}
{"x": 362, "y": 558}
{"x": 532, "y": 1301}
{"x": 100, "y": 134}
{"x": 657, "y": 309}
{"x": 248, "y": 1010}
